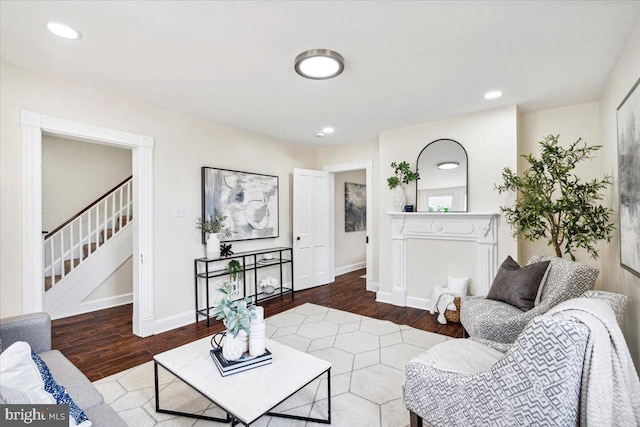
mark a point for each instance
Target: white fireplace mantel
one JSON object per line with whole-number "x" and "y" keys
{"x": 480, "y": 228}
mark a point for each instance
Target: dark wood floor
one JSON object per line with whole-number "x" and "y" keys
{"x": 101, "y": 343}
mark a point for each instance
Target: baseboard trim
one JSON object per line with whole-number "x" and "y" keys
{"x": 173, "y": 322}
{"x": 386, "y": 297}
{"x": 416, "y": 302}
{"x": 373, "y": 286}
{"x": 349, "y": 268}
{"x": 100, "y": 304}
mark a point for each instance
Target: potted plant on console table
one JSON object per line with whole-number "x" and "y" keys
{"x": 215, "y": 230}
{"x": 236, "y": 316}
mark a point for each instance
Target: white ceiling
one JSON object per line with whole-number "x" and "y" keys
{"x": 406, "y": 62}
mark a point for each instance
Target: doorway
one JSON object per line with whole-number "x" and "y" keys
{"x": 33, "y": 126}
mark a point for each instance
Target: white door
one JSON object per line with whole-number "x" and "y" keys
{"x": 311, "y": 253}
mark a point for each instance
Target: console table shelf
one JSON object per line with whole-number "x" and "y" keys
{"x": 206, "y": 269}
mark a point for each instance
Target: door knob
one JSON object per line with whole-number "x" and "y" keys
{"x": 298, "y": 238}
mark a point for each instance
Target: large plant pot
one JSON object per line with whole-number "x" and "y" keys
{"x": 234, "y": 347}
{"x": 213, "y": 246}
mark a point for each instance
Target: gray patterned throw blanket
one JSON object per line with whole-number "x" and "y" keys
{"x": 610, "y": 390}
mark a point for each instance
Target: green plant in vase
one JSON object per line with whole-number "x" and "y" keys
{"x": 402, "y": 175}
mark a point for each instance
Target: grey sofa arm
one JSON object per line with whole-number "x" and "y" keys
{"x": 34, "y": 328}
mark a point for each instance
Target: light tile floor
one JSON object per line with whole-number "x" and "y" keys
{"x": 367, "y": 356}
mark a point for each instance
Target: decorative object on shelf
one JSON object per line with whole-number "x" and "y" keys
{"x": 257, "y": 333}
{"x": 554, "y": 203}
{"x": 408, "y": 208}
{"x": 248, "y": 200}
{"x": 236, "y": 316}
{"x": 402, "y": 175}
{"x": 629, "y": 186}
{"x": 213, "y": 229}
{"x": 268, "y": 284}
{"x": 225, "y": 250}
{"x": 235, "y": 269}
{"x": 355, "y": 207}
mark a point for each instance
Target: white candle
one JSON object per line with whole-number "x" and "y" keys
{"x": 259, "y": 311}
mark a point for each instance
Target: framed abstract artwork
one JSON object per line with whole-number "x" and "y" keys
{"x": 628, "y": 116}
{"x": 355, "y": 207}
{"x": 249, "y": 201}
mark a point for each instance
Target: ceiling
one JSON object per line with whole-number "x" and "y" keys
{"x": 405, "y": 62}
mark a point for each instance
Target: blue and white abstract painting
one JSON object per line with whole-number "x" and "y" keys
{"x": 248, "y": 200}
{"x": 629, "y": 179}
{"x": 355, "y": 207}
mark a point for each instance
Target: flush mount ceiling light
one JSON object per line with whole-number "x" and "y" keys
{"x": 63, "y": 31}
{"x": 493, "y": 94}
{"x": 448, "y": 165}
{"x": 319, "y": 64}
{"x": 328, "y": 130}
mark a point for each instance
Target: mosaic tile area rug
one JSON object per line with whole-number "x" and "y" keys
{"x": 367, "y": 357}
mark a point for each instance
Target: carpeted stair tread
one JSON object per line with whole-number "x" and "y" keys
{"x": 67, "y": 265}
{"x": 48, "y": 282}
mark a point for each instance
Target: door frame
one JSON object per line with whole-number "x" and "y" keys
{"x": 367, "y": 165}
{"x": 33, "y": 126}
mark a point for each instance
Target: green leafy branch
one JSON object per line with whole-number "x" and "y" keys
{"x": 554, "y": 204}
{"x": 402, "y": 174}
{"x": 235, "y": 315}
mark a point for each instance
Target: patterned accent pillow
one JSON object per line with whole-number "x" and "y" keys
{"x": 58, "y": 392}
{"x": 518, "y": 286}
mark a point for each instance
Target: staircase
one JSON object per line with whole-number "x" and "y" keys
{"x": 80, "y": 241}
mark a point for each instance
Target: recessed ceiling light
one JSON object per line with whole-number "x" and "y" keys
{"x": 493, "y": 94}
{"x": 319, "y": 64}
{"x": 448, "y": 165}
{"x": 319, "y": 135}
{"x": 63, "y": 31}
{"x": 328, "y": 130}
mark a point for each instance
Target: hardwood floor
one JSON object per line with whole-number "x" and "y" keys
{"x": 101, "y": 343}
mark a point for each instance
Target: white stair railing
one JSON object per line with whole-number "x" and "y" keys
{"x": 83, "y": 234}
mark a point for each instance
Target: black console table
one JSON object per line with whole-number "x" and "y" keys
{"x": 206, "y": 269}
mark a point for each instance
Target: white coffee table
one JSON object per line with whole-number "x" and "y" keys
{"x": 248, "y": 395}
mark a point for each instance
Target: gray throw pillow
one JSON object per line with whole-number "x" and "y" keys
{"x": 518, "y": 286}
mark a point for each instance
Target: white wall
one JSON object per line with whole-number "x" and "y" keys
{"x": 75, "y": 174}
{"x": 351, "y": 247}
{"x": 571, "y": 123}
{"x": 118, "y": 284}
{"x": 490, "y": 139}
{"x": 613, "y": 277}
{"x": 183, "y": 144}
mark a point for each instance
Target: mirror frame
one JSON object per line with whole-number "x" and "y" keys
{"x": 466, "y": 170}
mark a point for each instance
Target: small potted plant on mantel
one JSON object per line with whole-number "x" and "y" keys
{"x": 214, "y": 230}
{"x": 402, "y": 175}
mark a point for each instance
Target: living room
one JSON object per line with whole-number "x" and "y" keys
{"x": 197, "y": 118}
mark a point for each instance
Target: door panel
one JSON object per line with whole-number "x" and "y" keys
{"x": 311, "y": 228}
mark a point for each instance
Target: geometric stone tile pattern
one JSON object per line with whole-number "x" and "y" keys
{"x": 501, "y": 322}
{"x": 536, "y": 383}
{"x": 367, "y": 356}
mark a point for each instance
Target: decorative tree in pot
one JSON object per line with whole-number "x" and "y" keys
{"x": 554, "y": 204}
{"x": 402, "y": 175}
{"x": 214, "y": 230}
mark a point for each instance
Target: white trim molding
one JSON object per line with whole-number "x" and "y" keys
{"x": 349, "y": 268}
{"x": 33, "y": 125}
{"x": 481, "y": 228}
{"x": 367, "y": 165}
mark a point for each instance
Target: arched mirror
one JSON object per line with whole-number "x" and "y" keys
{"x": 442, "y": 186}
